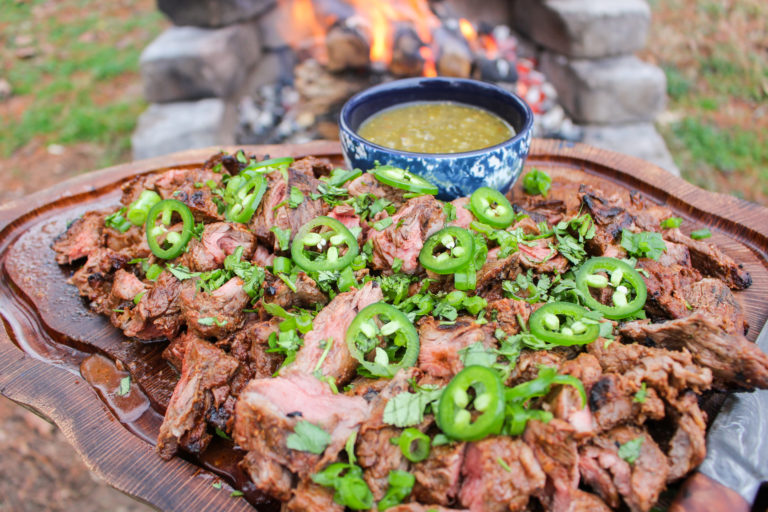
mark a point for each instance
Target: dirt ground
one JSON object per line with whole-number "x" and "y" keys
{"x": 40, "y": 471}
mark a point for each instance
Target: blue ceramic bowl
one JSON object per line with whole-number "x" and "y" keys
{"x": 455, "y": 174}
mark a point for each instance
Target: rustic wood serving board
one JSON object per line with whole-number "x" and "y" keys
{"x": 56, "y": 357}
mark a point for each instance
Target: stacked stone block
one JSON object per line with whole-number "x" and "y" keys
{"x": 586, "y": 49}
{"x": 194, "y": 72}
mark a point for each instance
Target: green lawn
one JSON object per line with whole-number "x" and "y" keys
{"x": 715, "y": 56}
{"x": 81, "y": 84}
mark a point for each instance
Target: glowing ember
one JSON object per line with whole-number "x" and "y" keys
{"x": 429, "y": 61}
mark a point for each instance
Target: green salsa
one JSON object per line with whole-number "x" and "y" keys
{"x": 435, "y": 127}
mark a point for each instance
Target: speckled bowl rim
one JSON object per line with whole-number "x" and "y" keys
{"x": 405, "y": 83}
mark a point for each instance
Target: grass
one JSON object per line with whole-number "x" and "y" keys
{"x": 75, "y": 85}
{"x": 715, "y": 56}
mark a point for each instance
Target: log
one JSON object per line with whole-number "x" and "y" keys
{"x": 406, "y": 59}
{"x": 494, "y": 70}
{"x": 348, "y": 46}
{"x": 454, "y": 57}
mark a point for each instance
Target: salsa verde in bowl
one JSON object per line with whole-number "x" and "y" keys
{"x": 420, "y": 104}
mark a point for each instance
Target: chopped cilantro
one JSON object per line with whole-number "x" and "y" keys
{"x": 630, "y": 451}
{"x": 477, "y": 354}
{"x": 646, "y": 244}
{"x": 236, "y": 494}
{"x": 400, "y": 486}
{"x": 125, "y": 386}
{"x": 450, "y": 212}
{"x": 641, "y": 394}
{"x": 701, "y": 234}
{"x": 181, "y": 272}
{"x": 397, "y": 264}
{"x": 382, "y": 224}
{"x": 407, "y": 409}
{"x": 216, "y": 485}
{"x": 671, "y": 223}
{"x": 283, "y": 237}
{"x": 537, "y": 182}
{"x": 211, "y": 320}
{"x": 295, "y": 198}
{"x": 308, "y": 437}
{"x": 504, "y": 465}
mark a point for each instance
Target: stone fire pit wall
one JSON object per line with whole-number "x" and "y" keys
{"x": 219, "y": 50}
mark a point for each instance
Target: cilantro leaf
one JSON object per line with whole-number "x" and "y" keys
{"x": 395, "y": 287}
{"x": 211, "y": 320}
{"x": 283, "y": 237}
{"x": 701, "y": 234}
{"x": 295, "y": 198}
{"x": 477, "y": 354}
{"x": 450, "y": 212}
{"x": 400, "y": 486}
{"x": 537, "y": 182}
{"x": 181, "y": 272}
{"x": 308, "y": 437}
{"x": 646, "y": 244}
{"x": 641, "y": 394}
{"x": 671, "y": 223}
{"x": 630, "y": 451}
{"x": 382, "y": 224}
{"x": 125, "y": 386}
{"x": 397, "y": 264}
{"x": 407, "y": 409}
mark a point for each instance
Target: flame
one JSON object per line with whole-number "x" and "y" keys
{"x": 304, "y": 25}
{"x": 429, "y": 61}
{"x": 490, "y": 46}
{"x": 467, "y": 30}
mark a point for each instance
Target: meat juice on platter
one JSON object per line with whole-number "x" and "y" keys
{"x": 369, "y": 346}
{"x": 435, "y": 127}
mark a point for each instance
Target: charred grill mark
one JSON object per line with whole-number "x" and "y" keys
{"x": 598, "y": 395}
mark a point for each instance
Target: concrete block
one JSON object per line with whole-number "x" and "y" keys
{"x": 169, "y": 127}
{"x": 607, "y": 91}
{"x": 585, "y": 28}
{"x": 212, "y": 13}
{"x": 639, "y": 139}
{"x": 186, "y": 63}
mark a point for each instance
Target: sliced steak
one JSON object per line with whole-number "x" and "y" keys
{"x": 464, "y": 216}
{"x": 735, "y": 362}
{"x": 216, "y": 314}
{"x": 133, "y": 242}
{"x": 493, "y": 273}
{"x": 416, "y": 221}
{"x": 367, "y": 184}
{"x": 509, "y": 313}
{"x": 250, "y": 345}
{"x": 274, "y": 210}
{"x": 440, "y": 344}
{"x": 345, "y": 214}
{"x": 669, "y": 372}
{"x": 666, "y": 286}
{"x": 184, "y": 185}
{"x": 81, "y": 238}
{"x": 158, "y": 313}
{"x": 94, "y": 279}
{"x": 204, "y": 384}
{"x": 307, "y": 294}
{"x": 542, "y": 258}
{"x": 612, "y": 402}
{"x": 309, "y": 497}
{"x": 266, "y": 413}
{"x": 376, "y": 454}
{"x": 582, "y": 501}
{"x": 611, "y": 477}
{"x": 437, "y": 476}
{"x": 711, "y": 261}
{"x": 488, "y": 486}
{"x": 313, "y": 167}
{"x": 527, "y": 367}
{"x": 332, "y": 323}
{"x": 713, "y": 296}
{"x": 218, "y": 241}
{"x": 611, "y": 219}
{"x": 688, "y": 445}
{"x": 126, "y": 286}
{"x": 555, "y": 448}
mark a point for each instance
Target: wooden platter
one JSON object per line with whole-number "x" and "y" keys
{"x": 58, "y": 358}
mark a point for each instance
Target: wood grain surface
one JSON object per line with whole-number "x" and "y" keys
{"x": 48, "y": 330}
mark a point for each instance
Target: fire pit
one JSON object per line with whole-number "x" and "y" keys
{"x": 259, "y": 71}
